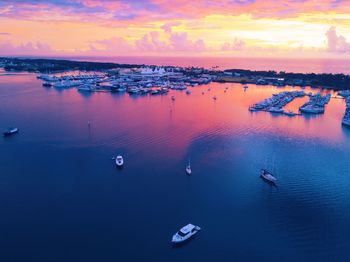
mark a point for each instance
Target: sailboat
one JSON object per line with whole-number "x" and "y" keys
{"x": 188, "y": 168}
{"x": 268, "y": 176}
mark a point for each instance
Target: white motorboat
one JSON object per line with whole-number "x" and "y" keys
{"x": 185, "y": 233}
{"x": 267, "y": 176}
{"x": 119, "y": 161}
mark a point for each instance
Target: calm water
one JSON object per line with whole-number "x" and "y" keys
{"x": 62, "y": 199}
{"x": 264, "y": 64}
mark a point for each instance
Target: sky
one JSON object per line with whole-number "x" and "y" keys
{"x": 244, "y": 28}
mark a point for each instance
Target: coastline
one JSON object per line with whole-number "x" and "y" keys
{"x": 337, "y": 81}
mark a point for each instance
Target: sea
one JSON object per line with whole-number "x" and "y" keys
{"x": 63, "y": 199}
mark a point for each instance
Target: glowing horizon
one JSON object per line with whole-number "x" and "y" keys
{"x": 286, "y": 28}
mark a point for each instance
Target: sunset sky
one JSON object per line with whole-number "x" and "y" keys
{"x": 286, "y": 28}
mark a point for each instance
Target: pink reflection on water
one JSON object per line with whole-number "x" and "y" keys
{"x": 156, "y": 121}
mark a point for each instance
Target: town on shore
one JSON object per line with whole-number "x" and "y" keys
{"x": 181, "y": 74}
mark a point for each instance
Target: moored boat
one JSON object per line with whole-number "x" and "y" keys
{"x": 119, "y": 161}
{"x": 290, "y": 113}
{"x": 267, "y": 176}
{"x": 185, "y": 233}
{"x": 11, "y": 131}
{"x": 188, "y": 168}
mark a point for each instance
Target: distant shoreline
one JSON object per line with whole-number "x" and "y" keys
{"x": 324, "y": 80}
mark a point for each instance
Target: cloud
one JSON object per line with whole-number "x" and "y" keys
{"x": 181, "y": 43}
{"x": 167, "y": 27}
{"x": 237, "y": 44}
{"x": 152, "y": 10}
{"x": 336, "y": 43}
{"x": 29, "y": 48}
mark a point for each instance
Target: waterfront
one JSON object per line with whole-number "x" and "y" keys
{"x": 63, "y": 198}
{"x": 295, "y": 65}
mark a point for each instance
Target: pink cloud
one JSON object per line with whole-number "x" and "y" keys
{"x": 335, "y": 42}
{"x": 237, "y": 44}
{"x": 139, "y": 11}
{"x": 29, "y": 48}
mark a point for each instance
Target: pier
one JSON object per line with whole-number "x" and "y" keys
{"x": 316, "y": 104}
{"x": 277, "y": 102}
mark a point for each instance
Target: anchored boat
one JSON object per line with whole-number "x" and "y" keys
{"x": 185, "y": 233}
{"x": 188, "y": 168}
{"x": 119, "y": 161}
{"x": 10, "y": 131}
{"x": 267, "y": 176}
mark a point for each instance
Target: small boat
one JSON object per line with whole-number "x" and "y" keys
{"x": 275, "y": 110}
{"x": 267, "y": 176}
{"x": 185, "y": 233}
{"x": 245, "y": 86}
{"x": 173, "y": 98}
{"x": 10, "y": 131}
{"x": 188, "y": 168}
{"x": 119, "y": 161}
{"x": 214, "y": 97}
{"x": 46, "y": 84}
{"x": 188, "y": 92}
{"x": 290, "y": 113}
{"x": 202, "y": 93}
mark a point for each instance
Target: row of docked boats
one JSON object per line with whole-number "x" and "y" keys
{"x": 131, "y": 82}
{"x": 316, "y": 104}
{"x": 344, "y": 93}
{"x": 276, "y": 103}
{"x": 346, "y": 118}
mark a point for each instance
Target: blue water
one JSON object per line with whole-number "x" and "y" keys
{"x": 62, "y": 199}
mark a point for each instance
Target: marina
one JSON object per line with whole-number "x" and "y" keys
{"x": 169, "y": 131}
{"x": 135, "y": 81}
{"x": 276, "y": 103}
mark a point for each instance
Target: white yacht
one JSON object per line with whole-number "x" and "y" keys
{"x": 119, "y": 161}
{"x": 267, "y": 176}
{"x": 185, "y": 233}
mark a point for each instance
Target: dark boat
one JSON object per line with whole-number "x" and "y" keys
{"x": 47, "y": 84}
{"x": 11, "y": 131}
